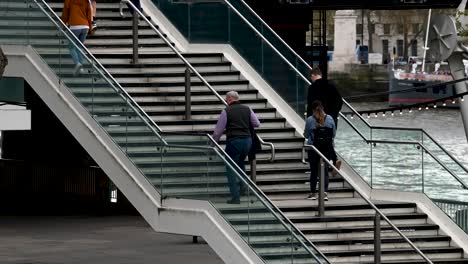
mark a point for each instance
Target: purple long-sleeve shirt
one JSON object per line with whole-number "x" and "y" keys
{"x": 222, "y": 121}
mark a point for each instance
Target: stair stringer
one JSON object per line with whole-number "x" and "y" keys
{"x": 172, "y": 215}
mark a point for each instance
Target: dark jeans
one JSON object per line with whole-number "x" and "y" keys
{"x": 333, "y": 154}
{"x": 237, "y": 149}
{"x": 137, "y": 4}
{"x": 314, "y": 160}
{"x": 81, "y": 34}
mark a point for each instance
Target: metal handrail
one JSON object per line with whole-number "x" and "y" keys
{"x": 187, "y": 63}
{"x": 450, "y": 201}
{"x": 259, "y": 192}
{"x": 268, "y": 42}
{"x": 431, "y": 138}
{"x": 121, "y": 91}
{"x": 427, "y": 151}
{"x": 308, "y": 66}
{"x": 371, "y": 141}
{"x": 295, "y": 69}
{"x": 400, "y": 128}
{"x": 356, "y": 189}
{"x": 272, "y": 31}
{"x": 218, "y": 148}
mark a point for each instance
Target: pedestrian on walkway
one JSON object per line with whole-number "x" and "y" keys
{"x": 236, "y": 119}
{"x": 77, "y": 14}
{"x": 325, "y": 91}
{"x": 319, "y": 131}
{"x": 137, "y": 4}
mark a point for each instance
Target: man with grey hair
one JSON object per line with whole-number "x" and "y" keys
{"x": 236, "y": 119}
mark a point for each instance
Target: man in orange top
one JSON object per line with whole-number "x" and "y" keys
{"x": 77, "y": 14}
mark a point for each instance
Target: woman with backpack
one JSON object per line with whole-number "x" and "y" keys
{"x": 319, "y": 131}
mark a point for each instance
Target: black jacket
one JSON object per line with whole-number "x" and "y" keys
{"x": 325, "y": 92}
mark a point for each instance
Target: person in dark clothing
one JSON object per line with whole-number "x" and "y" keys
{"x": 324, "y": 91}
{"x": 236, "y": 119}
{"x": 137, "y": 4}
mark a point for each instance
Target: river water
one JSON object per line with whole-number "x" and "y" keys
{"x": 406, "y": 167}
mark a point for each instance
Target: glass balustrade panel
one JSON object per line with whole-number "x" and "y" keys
{"x": 397, "y": 167}
{"x": 352, "y": 148}
{"x": 437, "y": 150}
{"x": 201, "y": 173}
{"x": 391, "y": 134}
{"x": 445, "y": 191}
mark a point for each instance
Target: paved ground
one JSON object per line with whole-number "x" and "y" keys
{"x": 103, "y": 240}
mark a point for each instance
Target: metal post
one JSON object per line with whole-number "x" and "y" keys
{"x": 321, "y": 202}
{"x": 188, "y": 103}
{"x": 135, "y": 36}
{"x": 425, "y": 42}
{"x": 377, "y": 251}
{"x": 253, "y": 170}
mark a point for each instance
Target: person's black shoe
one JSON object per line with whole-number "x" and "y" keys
{"x": 232, "y": 201}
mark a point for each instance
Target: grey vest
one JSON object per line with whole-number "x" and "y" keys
{"x": 238, "y": 121}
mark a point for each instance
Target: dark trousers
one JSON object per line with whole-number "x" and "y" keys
{"x": 237, "y": 149}
{"x": 314, "y": 162}
{"x": 76, "y": 55}
{"x": 136, "y": 3}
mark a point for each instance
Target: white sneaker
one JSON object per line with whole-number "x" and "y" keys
{"x": 326, "y": 196}
{"x": 83, "y": 71}
{"x": 77, "y": 69}
{"x": 311, "y": 196}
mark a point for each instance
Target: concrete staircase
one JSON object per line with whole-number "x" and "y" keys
{"x": 157, "y": 85}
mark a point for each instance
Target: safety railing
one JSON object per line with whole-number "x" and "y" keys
{"x": 156, "y": 154}
{"x": 399, "y": 165}
{"x": 418, "y": 145}
{"x": 233, "y": 22}
{"x": 221, "y": 22}
{"x": 456, "y": 210}
{"x": 189, "y": 68}
{"x": 378, "y": 213}
{"x": 405, "y": 134}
